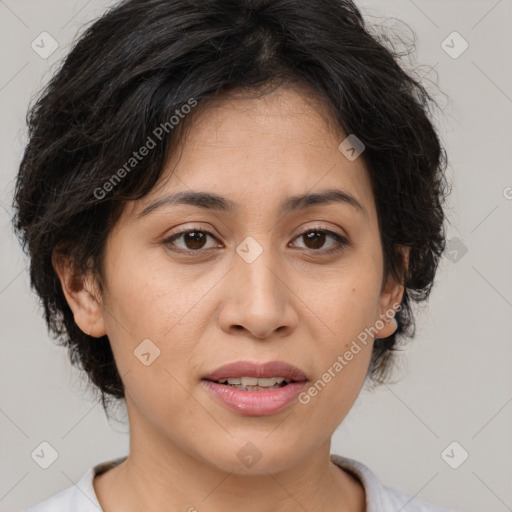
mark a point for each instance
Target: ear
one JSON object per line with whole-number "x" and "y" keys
{"x": 82, "y": 295}
{"x": 390, "y": 299}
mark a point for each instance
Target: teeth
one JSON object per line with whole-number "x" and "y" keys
{"x": 253, "y": 381}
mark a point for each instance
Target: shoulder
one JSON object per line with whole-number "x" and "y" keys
{"x": 80, "y": 497}
{"x": 58, "y": 502}
{"x": 402, "y": 501}
{"x": 380, "y": 498}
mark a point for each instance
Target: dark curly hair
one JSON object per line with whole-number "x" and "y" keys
{"x": 139, "y": 63}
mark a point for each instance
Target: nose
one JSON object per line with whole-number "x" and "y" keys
{"x": 258, "y": 299}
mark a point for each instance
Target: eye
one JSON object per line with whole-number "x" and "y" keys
{"x": 193, "y": 239}
{"x": 315, "y": 238}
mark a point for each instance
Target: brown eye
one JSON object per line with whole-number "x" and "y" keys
{"x": 315, "y": 239}
{"x": 196, "y": 240}
{"x": 193, "y": 240}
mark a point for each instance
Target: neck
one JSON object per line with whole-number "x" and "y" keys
{"x": 158, "y": 475}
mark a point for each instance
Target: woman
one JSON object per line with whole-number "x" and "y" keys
{"x": 229, "y": 207}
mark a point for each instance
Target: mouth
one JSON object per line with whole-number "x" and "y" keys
{"x": 255, "y": 390}
{"x": 252, "y": 376}
{"x": 256, "y": 384}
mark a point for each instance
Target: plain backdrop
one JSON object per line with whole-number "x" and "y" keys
{"x": 456, "y": 385}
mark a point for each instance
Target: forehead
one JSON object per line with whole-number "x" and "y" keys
{"x": 258, "y": 150}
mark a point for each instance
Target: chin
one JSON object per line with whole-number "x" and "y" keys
{"x": 253, "y": 457}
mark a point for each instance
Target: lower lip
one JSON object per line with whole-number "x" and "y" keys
{"x": 255, "y": 403}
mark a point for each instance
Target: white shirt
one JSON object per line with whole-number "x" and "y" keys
{"x": 82, "y": 497}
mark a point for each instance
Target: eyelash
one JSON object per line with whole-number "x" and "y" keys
{"x": 342, "y": 242}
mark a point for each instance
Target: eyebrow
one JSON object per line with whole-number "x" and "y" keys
{"x": 211, "y": 201}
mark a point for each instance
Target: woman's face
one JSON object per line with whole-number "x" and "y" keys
{"x": 246, "y": 284}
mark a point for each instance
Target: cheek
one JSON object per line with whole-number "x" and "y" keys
{"x": 155, "y": 315}
{"x": 347, "y": 306}
{"x": 152, "y": 333}
{"x": 345, "y": 300}
{"x": 343, "y": 363}
{"x": 148, "y": 295}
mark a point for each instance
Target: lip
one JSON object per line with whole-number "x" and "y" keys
{"x": 255, "y": 403}
{"x": 260, "y": 370}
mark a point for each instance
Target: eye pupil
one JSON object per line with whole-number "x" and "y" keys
{"x": 196, "y": 237}
{"x": 318, "y": 238}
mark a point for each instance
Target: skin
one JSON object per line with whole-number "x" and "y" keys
{"x": 292, "y": 303}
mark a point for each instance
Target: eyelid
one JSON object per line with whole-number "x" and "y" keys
{"x": 318, "y": 227}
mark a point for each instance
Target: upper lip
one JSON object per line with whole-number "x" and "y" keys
{"x": 260, "y": 370}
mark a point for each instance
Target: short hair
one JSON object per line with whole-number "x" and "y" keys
{"x": 142, "y": 61}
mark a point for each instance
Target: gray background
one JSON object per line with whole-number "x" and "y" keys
{"x": 456, "y": 382}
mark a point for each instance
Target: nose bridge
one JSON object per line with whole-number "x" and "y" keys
{"x": 257, "y": 297}
{"x": 256, "y": 268}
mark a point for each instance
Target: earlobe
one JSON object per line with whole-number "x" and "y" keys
{"x": 389, "y": 327}
{"x": 82, "y": 297}
{"x": 390, "y": 301}
{"x": 386, "y": 323}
